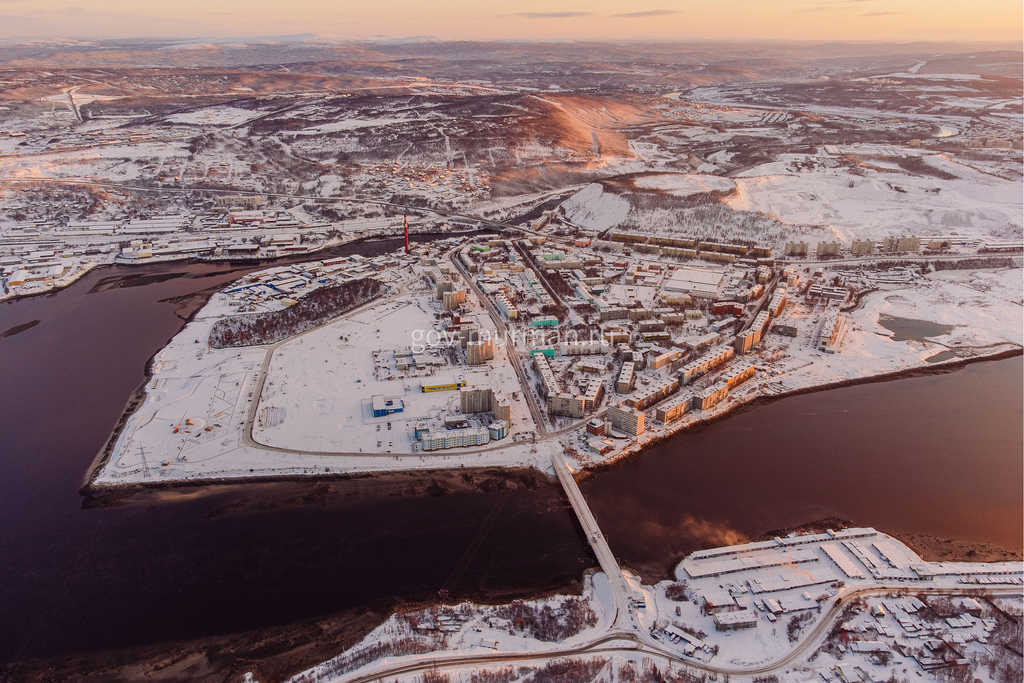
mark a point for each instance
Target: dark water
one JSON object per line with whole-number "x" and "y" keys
{"x": 909, "y": 328}
{"x": 74, "y": 579}
{"x": 937, "y": 455}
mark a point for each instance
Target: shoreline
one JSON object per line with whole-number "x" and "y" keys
{"x": 240, "y": 260}
{"x": 64, "y": 283}
{"x": 322, "y": 486}
{"x": 751, "y": 402}
{"x": 138, "y": 396}
{"x": 198, "y": 300}
{"x": 273, "y": 653}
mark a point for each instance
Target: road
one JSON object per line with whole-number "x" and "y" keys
{"x": 636, "y": 644}
{"x": 621, "y": 592}
{"x": 242, "y": 192}
{"x": 513, "y": 355}
{"x": 257, "y": 392}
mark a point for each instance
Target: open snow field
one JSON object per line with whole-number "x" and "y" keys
{"x": 684, "y": 185}
{"x": 596, "y": 209}
{"x": 871, "y": 204}
{"x": 982, "y": 306}
{"x": 320, "y": 385}
{"x": 314, "y": 416}
{"x": 214, "y": 116}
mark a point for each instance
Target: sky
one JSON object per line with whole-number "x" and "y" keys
{"x": 815, "y": 20}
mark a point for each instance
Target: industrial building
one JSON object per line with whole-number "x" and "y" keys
{"x": 703, "y": 283}
{"x": 441, "y": 384}
{"x": 737, "y": 619}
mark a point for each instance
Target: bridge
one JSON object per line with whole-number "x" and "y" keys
{"x": 622, "y": 593}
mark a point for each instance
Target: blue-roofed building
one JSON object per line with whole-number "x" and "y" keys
{"x": 382, "y": 407}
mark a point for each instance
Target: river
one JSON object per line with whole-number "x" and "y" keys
{"x": 937, "y": 455}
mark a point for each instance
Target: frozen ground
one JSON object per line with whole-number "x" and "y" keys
{"x": 684, "y": 185}
{"x": 847, "y": 605}
{"x": 596, "y": 209}
{"x": 876, "y": 201}
{"x": 194, "y": 420}
{"x": 321, "y": 384}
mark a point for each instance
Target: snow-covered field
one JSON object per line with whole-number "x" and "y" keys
{"x": 214, "y": 116}
{"x": 872, "y": 204}
{"x": 313, "y": 415}
{"x": 596, "y": 209}
{"x": 854, "y": 604}
{"x": 684, "y": 185}
{"x": 321, "y": 385}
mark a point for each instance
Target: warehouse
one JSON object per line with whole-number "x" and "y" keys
{"x": 441, "y": 384}
{"x": 703, "y": 282}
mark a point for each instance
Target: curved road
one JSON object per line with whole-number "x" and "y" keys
{"x": 641, "y": 645}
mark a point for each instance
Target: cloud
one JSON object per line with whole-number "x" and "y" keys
{"x": 820, "y": 8}
{"x": 553, "y": 15}
{"x": 648, "y": 13}
{"x": 879, "y": 14}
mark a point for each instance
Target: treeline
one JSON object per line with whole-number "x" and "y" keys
{"x": 547, "y": 624}
{"x": 569, "y": 671}
{"x": 313, "y": 309}
{"x": 356, "y": 659}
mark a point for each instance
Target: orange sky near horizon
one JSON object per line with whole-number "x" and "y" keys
{"x": 814, "y": 20}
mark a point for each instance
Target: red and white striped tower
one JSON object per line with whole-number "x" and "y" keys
{"x": 406, "y": 233}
